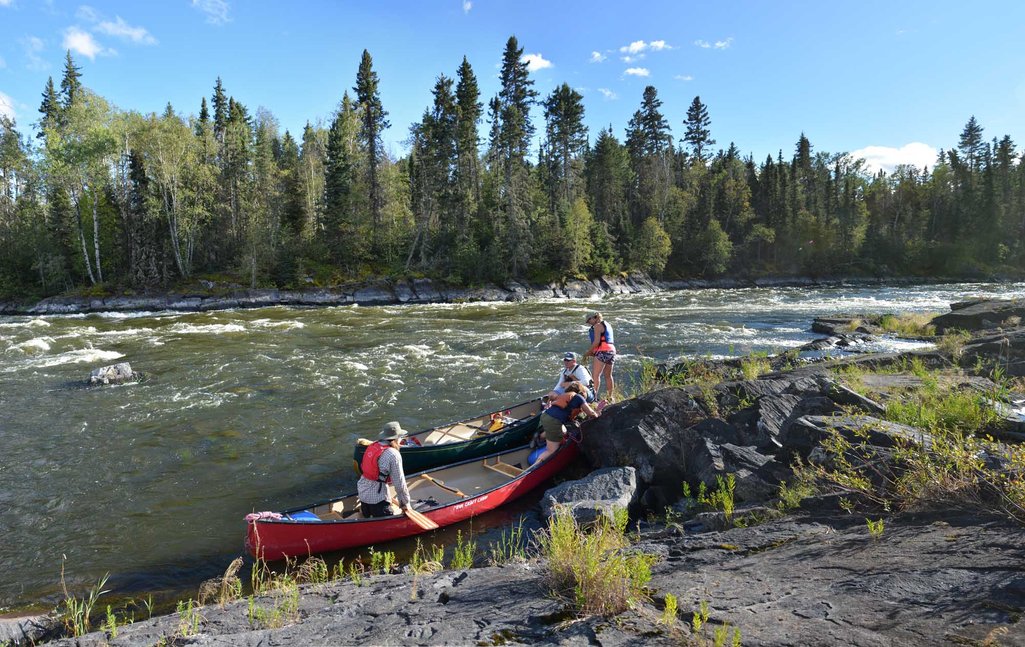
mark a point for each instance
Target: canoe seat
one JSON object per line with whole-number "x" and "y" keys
{"x": 452, "y": 434}
{"x": 503, "y": 468}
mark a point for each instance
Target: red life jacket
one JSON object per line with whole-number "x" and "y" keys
{"x": 371, "y": 470}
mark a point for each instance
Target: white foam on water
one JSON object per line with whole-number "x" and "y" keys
{"x": 41, "y": 344}
{"x": 363, "y": 368}
{"x": 206, "y": 329}
{"x": 80, "y": 356}
{"x": 417, "y": 350}
{"x": 31, "y": 323}
{"x": 281, "y": 325}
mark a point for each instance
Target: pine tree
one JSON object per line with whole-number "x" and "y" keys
{"x": 697, "y": 135}
{"x": 220, "y": 101}
{"x": 372, "y": 124}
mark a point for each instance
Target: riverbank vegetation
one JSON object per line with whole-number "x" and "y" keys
{"x": 97, "y": 199}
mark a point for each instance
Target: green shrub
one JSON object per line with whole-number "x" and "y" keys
{"x": 593, "y": 568}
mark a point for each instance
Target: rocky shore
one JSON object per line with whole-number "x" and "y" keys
{"x": 211, "y": 296}
{"x": 865, "y": 558}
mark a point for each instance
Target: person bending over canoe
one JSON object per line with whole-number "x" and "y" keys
{"x": 560, "y": 412}
{"x": 572, "y": 371}
{"x": 381, "y": 465}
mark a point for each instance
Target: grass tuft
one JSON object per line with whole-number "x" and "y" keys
{"x": 594, "y": 568}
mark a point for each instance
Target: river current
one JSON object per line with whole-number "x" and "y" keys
{"x": 245, "y": 410}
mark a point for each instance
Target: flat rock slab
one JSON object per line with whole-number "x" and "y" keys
{"x": 930, "y": 579}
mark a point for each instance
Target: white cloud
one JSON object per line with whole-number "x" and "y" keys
{"x": 33, "y": 46}
{"x": 683, "y": 77}
{"x": 597, "y": 57}
{"x": 719, "y": 44}
{"x": 887, "y": 158}
{"x": 608, "y": 94}
{"x": 7, "y": 106}
{"x": 638, "y": 71}
{"x": 631, "y": 59}
{"x": 5, "y": 3}
{"x": 216, "y": 10}
{"x": 635, "y": 47}
{"x": 535, "y": 62}
{"x": 121, "y": 29}
{"x": 467, "y": 5}
{"x": 83, "y": 42}
{"x": 638, "y": 47}
{"x": 87, "y": 13}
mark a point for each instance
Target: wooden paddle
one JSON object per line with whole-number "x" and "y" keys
{"x": 419, "y": 519}
{"x": 442, "y": 485}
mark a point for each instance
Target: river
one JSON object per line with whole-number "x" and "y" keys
{"x": 247, "y": 410}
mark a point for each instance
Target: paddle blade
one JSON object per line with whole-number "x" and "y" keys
{"x": 421, "y": 520}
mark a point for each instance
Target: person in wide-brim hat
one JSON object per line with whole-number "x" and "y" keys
{"x": 381, "y": 465}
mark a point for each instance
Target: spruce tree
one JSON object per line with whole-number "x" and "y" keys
{"x": 697, "y": 135}
{"x": 70, "y": 84}
{"x": 468, "y": 116}
{"x": 971, "y": 144}
{"x": 220, "y": 101}
{"x": 50, "y": 109}
{"x": 512, "y": 132}
{"x": 567, "y": 139}
{"x": 372, "y": 124}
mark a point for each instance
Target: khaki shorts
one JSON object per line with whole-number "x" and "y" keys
{"x": 552, "y": 427}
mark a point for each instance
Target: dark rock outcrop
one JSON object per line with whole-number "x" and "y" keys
{"x": 981, "y": 315}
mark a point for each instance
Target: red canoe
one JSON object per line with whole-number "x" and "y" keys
{"x": 446, "y": 496}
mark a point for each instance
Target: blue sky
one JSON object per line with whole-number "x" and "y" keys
{"x": 902, "y": 76}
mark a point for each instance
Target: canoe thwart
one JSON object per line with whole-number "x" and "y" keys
{"x": 503, "y": 468}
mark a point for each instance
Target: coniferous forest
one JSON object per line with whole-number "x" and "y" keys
{"x": 96, "y": 199}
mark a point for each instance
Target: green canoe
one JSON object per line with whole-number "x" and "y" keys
{"x": 466, "y": 439}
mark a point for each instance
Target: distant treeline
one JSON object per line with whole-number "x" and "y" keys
{"x": 102, "y": 198}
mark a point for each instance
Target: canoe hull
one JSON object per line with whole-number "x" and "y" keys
{"x": 271, "y": 539}
{"x": 431, "y": 456}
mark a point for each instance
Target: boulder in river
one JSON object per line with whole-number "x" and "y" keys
{"x": 113, "y": 374}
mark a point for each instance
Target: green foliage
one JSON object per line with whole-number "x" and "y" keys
{"x": 188, "y": 618}
{"x": 426, "y": 561}
{"x": 594, "y": 568}
{"x": 755, "y": 365}
{"x": 875, "y": 528}
{"x": 511, "y": 546}
{"x": 909, "y": 324}
{"x": 669, "y": 612}
{"x": 464, "y": 552}
{"x": 953, "y": 342}
{"x": 381, "y": 562}
{"x": 651, "y": 248}
{"x": 120, "y": 199}
{"x": 76, "y": 613}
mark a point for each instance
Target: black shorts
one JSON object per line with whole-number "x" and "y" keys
{"x": 382, "y": 509}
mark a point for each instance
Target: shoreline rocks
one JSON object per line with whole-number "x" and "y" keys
{"x": 422, "y": 290}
